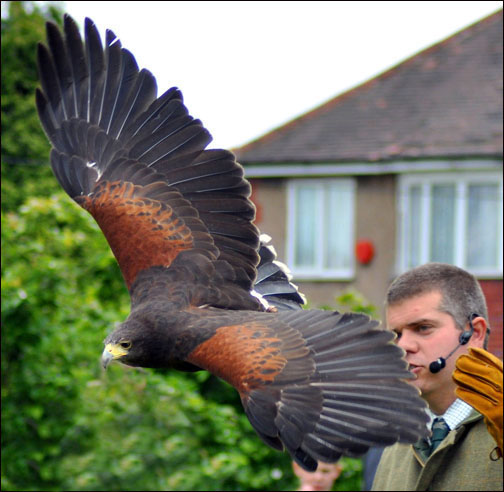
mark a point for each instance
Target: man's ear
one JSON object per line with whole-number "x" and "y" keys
{"x": 480, "y": 328}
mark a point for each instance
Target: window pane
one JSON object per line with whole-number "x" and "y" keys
{"x": 306, "y": 212}
{"x": 413, "y": 230}
{"x": 454, "y": 218}
{"x": 338, "y": 227}
{"x": 481, "y": 231}
{"x": 442, "y": 223}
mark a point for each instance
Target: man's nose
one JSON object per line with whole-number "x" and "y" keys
{"x": 408, "y": 341}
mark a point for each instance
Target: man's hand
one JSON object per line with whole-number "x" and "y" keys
{"x": 479, "y": 383}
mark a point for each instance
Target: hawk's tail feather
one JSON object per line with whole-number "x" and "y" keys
{"x": 273, "y": 280}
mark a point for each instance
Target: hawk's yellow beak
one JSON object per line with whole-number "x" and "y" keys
{"x": 110, "y": 352}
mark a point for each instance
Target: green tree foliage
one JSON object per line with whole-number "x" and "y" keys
{"x": 67, "y": 424}
{"x": 24, "y": 145}
{"x": 352, "y": 300}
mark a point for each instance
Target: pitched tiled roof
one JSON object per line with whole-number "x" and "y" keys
{"x": 445, "y": 101}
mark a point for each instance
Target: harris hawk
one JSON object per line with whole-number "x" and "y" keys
{"x": 179, "y": 221}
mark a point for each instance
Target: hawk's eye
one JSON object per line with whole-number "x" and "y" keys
{"x": 125, "y": 344}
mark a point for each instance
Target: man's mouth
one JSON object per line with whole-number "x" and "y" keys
{"x": 414, "y": 368}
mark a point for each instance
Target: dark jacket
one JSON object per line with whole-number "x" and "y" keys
{"x": 461, "y": 462}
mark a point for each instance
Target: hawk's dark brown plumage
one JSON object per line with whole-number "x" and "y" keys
{"x": 179, "y": 221}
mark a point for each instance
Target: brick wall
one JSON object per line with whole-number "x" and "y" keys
{"x": 493, "y": 293}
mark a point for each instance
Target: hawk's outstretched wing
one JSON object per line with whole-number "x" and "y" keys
{"x": 137, "y": 162}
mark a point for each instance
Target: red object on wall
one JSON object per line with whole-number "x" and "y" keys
{"x": 364, "y": 251}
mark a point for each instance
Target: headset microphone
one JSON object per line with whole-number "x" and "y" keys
{"x": 465, "y": 336}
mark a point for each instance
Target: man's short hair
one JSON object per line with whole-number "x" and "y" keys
{"x": 461, "y": 293}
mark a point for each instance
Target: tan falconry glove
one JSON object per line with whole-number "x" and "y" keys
{"x": 478, "y": 375}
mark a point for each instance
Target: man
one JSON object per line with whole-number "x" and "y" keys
{"x": 429, "y": 308}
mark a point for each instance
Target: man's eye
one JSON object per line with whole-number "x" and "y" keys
{"x": 398, "y": 333}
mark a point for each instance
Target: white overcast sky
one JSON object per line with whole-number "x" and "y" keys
{"x": 248, "y": 67}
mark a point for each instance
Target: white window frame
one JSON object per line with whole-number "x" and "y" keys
{"x": 462, "y": 180}
{"x": 318, "y": 271}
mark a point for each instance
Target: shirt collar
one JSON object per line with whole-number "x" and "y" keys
{"x": 455, "y": 414}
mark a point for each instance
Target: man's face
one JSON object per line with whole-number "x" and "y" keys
{"x": 321, "y": 479}
{"x": 426, "y": 334}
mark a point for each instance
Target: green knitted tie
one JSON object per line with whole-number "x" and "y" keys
{"x": 439, "y": 431}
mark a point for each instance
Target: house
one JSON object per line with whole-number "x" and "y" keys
{"x": 404, "y": 169}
